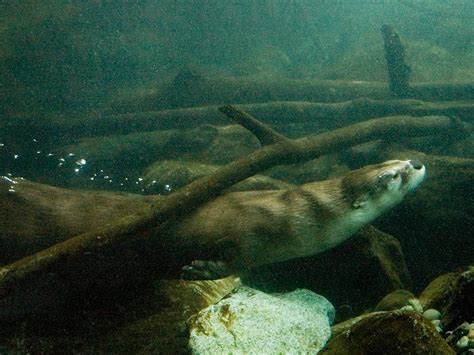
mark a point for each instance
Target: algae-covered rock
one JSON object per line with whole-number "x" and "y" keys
{"x": 252, "y": 322}
{"x": 165, "y": 332}
{"x": 389, "y": 333}
{"x": 357, "y": 274}
{"x": 137, "y": 150}
{"x": 232, "y": 142}
{"x": 461, "y": 305}
{"x": 439, "y": 291}
{"x": 394, "y": 300}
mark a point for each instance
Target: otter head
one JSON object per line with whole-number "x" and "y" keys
{"x": 374, "y": 189}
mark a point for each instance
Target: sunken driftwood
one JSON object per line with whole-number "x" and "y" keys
{"x": 398, "y": 70}
{"x": 324, "y": 115}
{"x": 145, "y": 224}
{"x": 215, "y": 91}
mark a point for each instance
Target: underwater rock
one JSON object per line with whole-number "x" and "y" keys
{"x": 370, "y": 257}
{"x": 231, "y": 142}
{"x": 165, "y": 332}
{"x": 394, "y": 300}
{"x": 188, "y": 88}
{"x": 397, "y": 332}
{"x": 250, "y": 321}
{"x": 432, "y": 314}
{"x": 462, "y": 338}
{"x": 385, "y": 252}
{"x": 437, "y": 294}
{"x": 413, "y": 305}
{"x": 122, "y": 156}
{"x": 461, "y": 305}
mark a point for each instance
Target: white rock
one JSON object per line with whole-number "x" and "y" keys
{"x": 432, "y": 314}
{"x": 437, "y": 324}
{"x": 416, "y": 304}
{"x": 463, "y": 342}
{"x": 253, "y": 322}
{"x": 407, "y": 308}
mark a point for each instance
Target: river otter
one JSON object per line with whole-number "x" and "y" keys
{"x": 243, "y": 230}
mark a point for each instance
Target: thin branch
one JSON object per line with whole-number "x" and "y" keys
{"x": 264, "y": 133}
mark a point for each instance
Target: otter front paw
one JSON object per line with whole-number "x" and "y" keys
{"x": 205, "y": 270}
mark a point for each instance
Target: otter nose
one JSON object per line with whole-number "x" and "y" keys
{"x": 416, "y": 164}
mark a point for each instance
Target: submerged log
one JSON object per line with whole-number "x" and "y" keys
{"x": 321, "y": 115}
{"x": 217, "y": 91}
{"x": 144, "y": 224}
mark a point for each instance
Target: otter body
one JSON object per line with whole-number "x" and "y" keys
{"x": 243, "y": 230}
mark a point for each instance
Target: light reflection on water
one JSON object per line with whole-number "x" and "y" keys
{"x": 70, "y": 171}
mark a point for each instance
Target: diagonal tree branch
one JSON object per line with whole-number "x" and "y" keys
{"x": 264, "y": 133}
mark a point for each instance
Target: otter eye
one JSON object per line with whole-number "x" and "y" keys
{"x": 389, "y": 180}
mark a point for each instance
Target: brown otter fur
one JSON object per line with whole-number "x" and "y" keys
{"x": 248, "y": 229}
{"x": 35, "y": 216}
{"x": 242, "y": 229}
